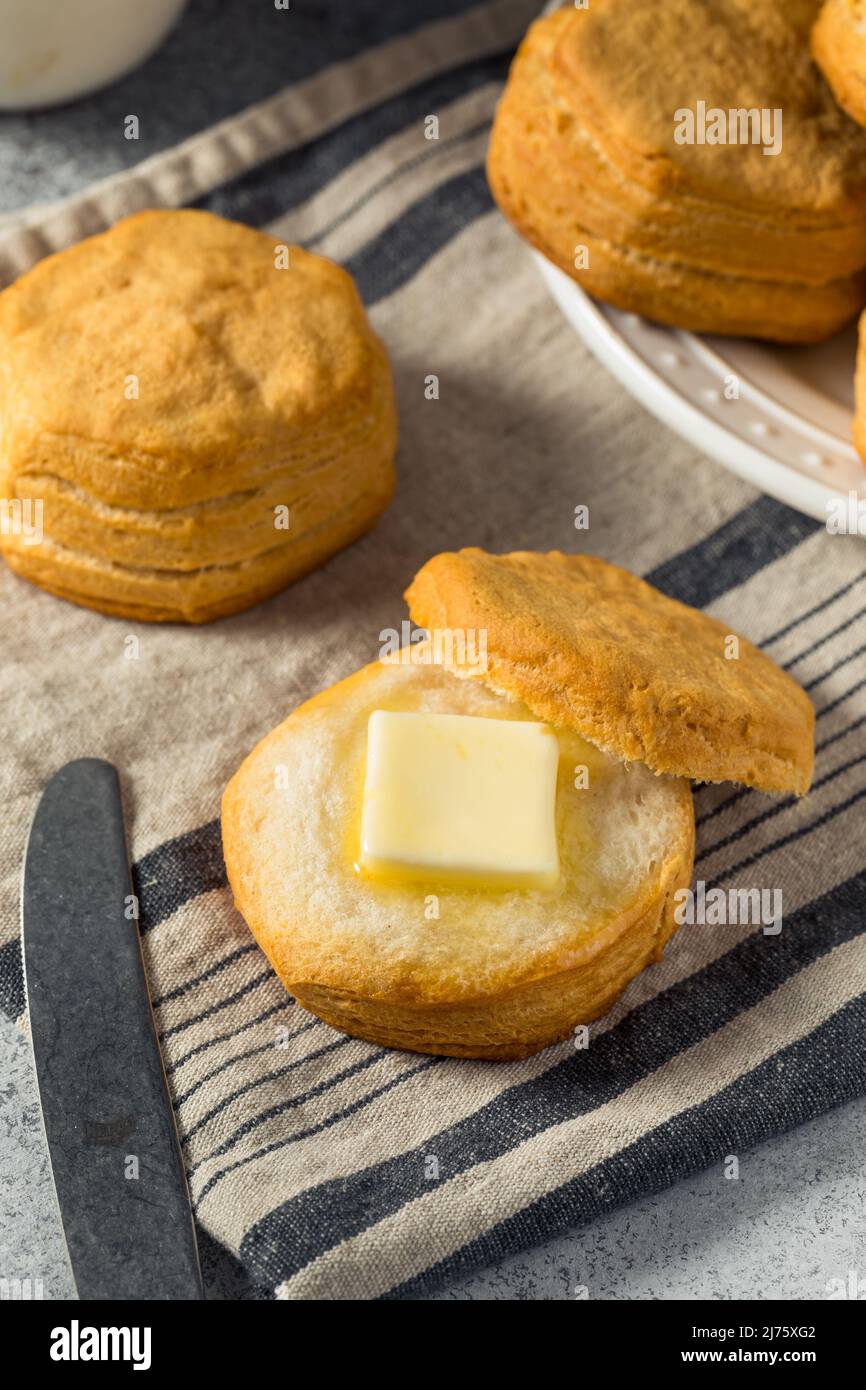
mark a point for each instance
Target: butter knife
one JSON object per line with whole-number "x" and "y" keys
{"x": 109, "y": 1124}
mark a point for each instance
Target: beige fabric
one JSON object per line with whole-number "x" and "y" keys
{"x": 526, "y": 427}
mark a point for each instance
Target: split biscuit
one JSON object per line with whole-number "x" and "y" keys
{"x": 641, "y": 692}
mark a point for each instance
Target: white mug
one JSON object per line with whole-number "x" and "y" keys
{"x": 54, "y": 50}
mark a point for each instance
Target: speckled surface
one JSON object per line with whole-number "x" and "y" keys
{"x": 790, "y": 1223}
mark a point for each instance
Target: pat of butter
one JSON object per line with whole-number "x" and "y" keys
{"x": 460, "y": 800}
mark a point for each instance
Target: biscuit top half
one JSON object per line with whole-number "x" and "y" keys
{"x": 588, "y": 646}
{"x": 625, "y": 68}
{"x": 190, "y": 349}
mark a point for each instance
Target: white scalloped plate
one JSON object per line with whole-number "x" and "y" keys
{"x": 789, "y": 430}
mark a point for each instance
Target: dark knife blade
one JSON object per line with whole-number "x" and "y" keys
{"x": 111, "y": 1135}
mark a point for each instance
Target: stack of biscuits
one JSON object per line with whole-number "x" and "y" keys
{"x": 201, "y": 414}
{"x": 688, "y": 162}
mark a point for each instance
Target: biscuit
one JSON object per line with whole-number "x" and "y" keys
{"x": 585, "y": 644}
{"x": 200, "y": 424}
{"x": 839, "y": 49}
{"x": 495, "y": 975}
{"x": 719, "y": 238}
{"x": 642, "y": 693}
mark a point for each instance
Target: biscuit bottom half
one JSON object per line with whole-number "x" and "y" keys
{"x": 435, "y": 969}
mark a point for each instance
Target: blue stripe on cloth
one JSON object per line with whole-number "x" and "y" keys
{"x": 335, "y": 1045}
{"x": 163, "y": 878}
{"x": 271, "y": 189}
{"x": 258, "y": 1051}
{"x": 395, "y": 257}
{"x": 195, "y": 980}
{"x": 265, "y": 977}
{"x": 844, "y": 661}
{"x": 824, "y": 639}
{"x": 12, "y": 999}
{"x": 817, "y": 608}
{"x": 323, "y": 1125}
{"x": 321, "y": 1217}
{"x": 822, "y": 1070}
{"x": 284, "y": 1005}
{"x": 815, "y": 824}
{"x": 784, "y": 804}
{"x": 840, "y": 733}
{"x": 841, "y": 698}
{"x": 748, "y": 542}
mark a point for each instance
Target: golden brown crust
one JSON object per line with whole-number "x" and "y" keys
{"x": 172, "y": 396}
{"x": 587, "y": 645}
{"x": 498, "y": 975}
{"x": 704, "y": 237}
{"x": 521, "y": 1021}
{"x": 630, "y": 66}
{"x": 839, "y": 49}
{"x": 677, "y": 294}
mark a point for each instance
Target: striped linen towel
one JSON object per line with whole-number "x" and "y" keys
{"x": 332, "y": 1168}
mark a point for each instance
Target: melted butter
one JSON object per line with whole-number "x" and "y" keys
{"x": 462, "y": 801}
